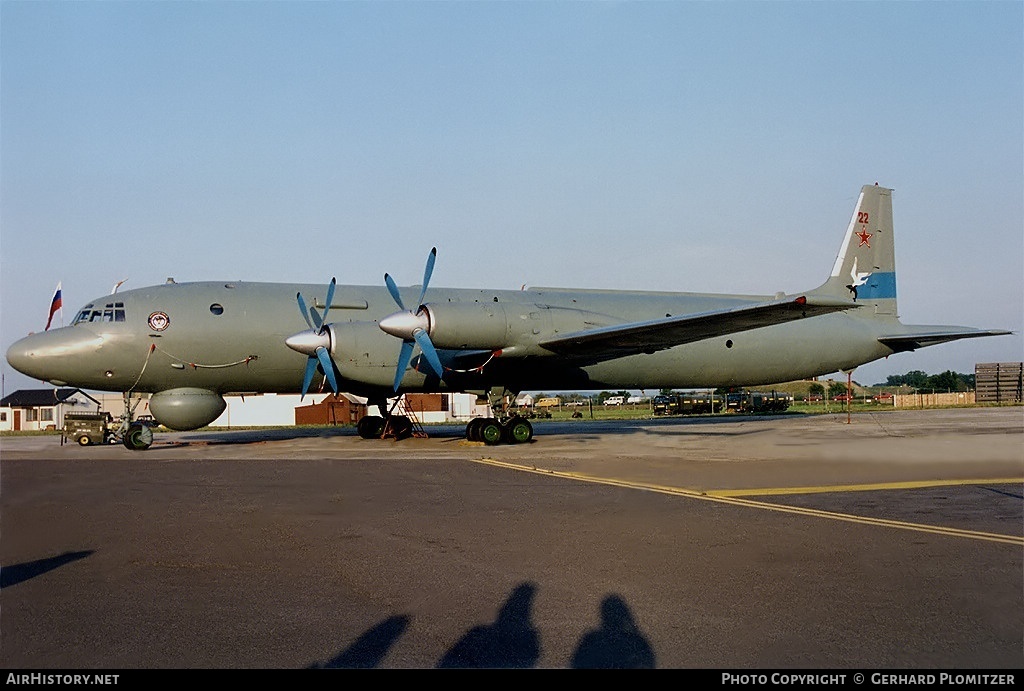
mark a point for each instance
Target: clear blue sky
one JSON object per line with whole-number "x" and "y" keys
{"x": 690, "y": 146}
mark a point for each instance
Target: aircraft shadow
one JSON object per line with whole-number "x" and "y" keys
{"x": 512, "y": 641}
{"x": 591, "y": 428}
{"x": 253, "y": 436}
{"x": 18, "y": 573}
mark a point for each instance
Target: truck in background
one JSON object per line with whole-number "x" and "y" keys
{"x": 705, "y": 403}
{"x": 89, "y": 428}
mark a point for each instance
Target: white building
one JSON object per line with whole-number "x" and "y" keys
{"x": 42, "y": 409}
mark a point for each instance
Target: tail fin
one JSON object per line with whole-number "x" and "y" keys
{"x": 865, "y": 269}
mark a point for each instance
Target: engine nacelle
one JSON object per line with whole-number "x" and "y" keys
{"x": 469, "y": 325}
{"x": 186, "y": 408}
{"x": 489, "y": 325}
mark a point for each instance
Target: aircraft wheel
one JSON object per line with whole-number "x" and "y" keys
{"x": 401, "y": 426}
{"x": 139, "y": 437}
{"x": 370, "y": 427}
{"x": 473, "y": 429}
{"x": 490, "y": 432}
{"x": 518, "y": 431}
{"x": 84, "y": 440}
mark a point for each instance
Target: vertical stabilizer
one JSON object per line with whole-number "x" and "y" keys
{"x": 865, "y": 270}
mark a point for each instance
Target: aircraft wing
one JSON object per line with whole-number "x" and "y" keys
{"x": 924, "y": 336}
{"x": 660, "y": 334}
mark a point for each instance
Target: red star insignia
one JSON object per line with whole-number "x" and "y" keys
{"x": 865, "y": 238}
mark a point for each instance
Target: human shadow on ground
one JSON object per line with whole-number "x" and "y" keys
{"x": 368, "y": 651}
{"x": 512, "y": 641}
{"x": 616, "y": 644}
{"x": 18, "y": 573}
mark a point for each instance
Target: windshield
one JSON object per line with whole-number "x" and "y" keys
{"x": 110, "y": 312}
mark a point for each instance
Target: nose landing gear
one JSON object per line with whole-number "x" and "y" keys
{"x": 135, "y": 435}
{"x": 138, "y": 437}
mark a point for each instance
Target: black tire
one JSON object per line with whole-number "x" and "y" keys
{"x": 473, "y": 429}
{"x": 139, "y": 437}
{"x": 401, "y": 427}
{"x": 518, "y": 431}
{"x": 370, "y": 427}
{"x": 84, "y": 440}
{"x": 491, "y": 432}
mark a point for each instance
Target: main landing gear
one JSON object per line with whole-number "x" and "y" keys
{"x": 491, "y": 431}
{"x": 389, "y": 425}
{"x": 504, "y": 427}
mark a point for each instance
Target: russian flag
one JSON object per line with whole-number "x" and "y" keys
{"x": 55, "y": 305}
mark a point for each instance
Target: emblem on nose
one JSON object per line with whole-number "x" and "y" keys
{"x": 158, "y": 321}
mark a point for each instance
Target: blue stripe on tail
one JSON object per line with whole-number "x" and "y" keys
{"x": 880, "y": 286}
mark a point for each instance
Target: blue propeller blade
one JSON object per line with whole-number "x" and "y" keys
{"x": 431, "y": 258}
{"x": 393, "y": 289}
{"x": 328, "y": 367}
{"x": 404, "y": 355}
{"x": 308, "y": 377}
{"x": 304, "y": 310}
{"x": 322, "y": 356}
{"x": 421, "y": 337}
{"x": 429, "y": 352}
{"x": 330, "y": 297}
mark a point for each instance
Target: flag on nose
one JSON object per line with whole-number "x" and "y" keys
{"x": 55, "y": 305}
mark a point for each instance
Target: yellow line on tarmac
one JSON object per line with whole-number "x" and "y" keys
{"x": 916, "y": 484}
{"x": 724, "y": 498}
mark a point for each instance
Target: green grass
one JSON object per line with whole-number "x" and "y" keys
{"x": 30, "y": 433}
{"x": 638, "y": 412}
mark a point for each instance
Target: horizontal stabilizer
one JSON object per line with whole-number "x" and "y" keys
{"x": 660, "y": 334}
{"x": 934, "y": 335}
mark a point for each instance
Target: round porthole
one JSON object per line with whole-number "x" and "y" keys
{"x": 217, "y": 308}
{"x": 728, "y": 344}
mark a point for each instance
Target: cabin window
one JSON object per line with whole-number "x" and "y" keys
{"x": 217, "y": 309}
{"x": 113, "y": 312}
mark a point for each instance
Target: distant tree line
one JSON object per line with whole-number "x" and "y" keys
{"x": 947, "y": 381}
{"x": 834, "y": 389}
{"x": 916, "y": 379}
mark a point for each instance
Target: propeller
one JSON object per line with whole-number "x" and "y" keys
{"x": 316, "y": 342}
{"x": 412, "y": 326}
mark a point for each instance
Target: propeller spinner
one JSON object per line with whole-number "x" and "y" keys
{"x": 412, "y": 326}
{"x": 316, "y": 342}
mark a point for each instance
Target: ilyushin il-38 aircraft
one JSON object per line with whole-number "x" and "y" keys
{"x": 188, "y": 345}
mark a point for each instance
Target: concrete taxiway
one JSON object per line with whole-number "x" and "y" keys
{"x": 892, "y": 541}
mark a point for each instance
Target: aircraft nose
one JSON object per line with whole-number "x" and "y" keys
{"x": 45, "y": 355}
{"x": 20, "y": 356}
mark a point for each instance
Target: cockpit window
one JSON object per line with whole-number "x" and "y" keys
{"x": 110, "y": 312}
{"x": 83, "y": 315}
